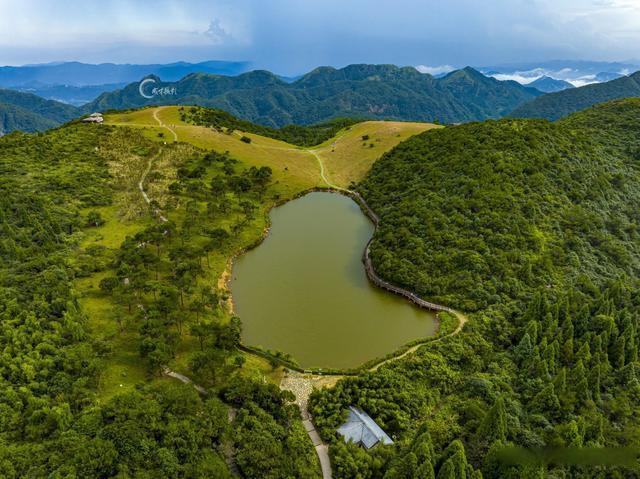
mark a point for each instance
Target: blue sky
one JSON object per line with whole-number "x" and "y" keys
{"x": 292, "y": 36}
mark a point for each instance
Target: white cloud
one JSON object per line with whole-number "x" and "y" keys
{"x": 217, "y": 33}
{"x": 438, "y": 70}
{"x": 582, "y": 81}
{"x": 520, "y": 77}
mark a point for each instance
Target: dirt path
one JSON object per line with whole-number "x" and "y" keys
{"x": 143, "y": 178}
{"x": 162, "y": 125}
{"x": 322, "y": 172}
{"x": 181, "y": 377}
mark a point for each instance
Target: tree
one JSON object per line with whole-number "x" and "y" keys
{"x": 546, "y": 401}
{"x": 494, "y": 425}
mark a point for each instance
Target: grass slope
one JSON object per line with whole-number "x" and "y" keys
{"x": 347, "y": 156}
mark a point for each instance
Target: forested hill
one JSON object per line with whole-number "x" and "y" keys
{"x": 557, "y": 105}
{"x": 532, "y": 227}
{"x": 16, "y": 118}
{"x": 519, "y": 203}
{"x": 362, "y": 91}
{"x": 27, "y": 112}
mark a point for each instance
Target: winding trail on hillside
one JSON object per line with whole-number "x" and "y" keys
{"x": 162, "y": 125}
{"x": 323, "y": 175}
{"x": 143, "y": 178}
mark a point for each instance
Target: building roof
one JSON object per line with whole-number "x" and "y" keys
{"x": 361, "y": 429}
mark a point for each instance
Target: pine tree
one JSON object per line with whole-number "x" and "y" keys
{"x": 448, "y": 471}
{"x": 546, "y": 401}
{"x": 618, "y": 353}
{"x": 567, "y": 352}
{"x": 494, "y": 425}
{"x": 524, "y": 348}
{"x": 560, "y": 381}
{"x": 455, "y": 462}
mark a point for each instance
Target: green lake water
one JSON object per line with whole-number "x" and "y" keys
{"x": 304, "y": 290}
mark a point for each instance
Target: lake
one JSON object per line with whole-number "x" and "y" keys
{"x": 304, "y": 290}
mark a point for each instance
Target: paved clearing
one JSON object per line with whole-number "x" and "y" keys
{"x": 301, "y": 385}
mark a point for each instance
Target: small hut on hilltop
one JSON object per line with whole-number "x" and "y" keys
{"x": 94, "y": 118}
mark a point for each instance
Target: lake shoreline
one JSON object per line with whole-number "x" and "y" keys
{"x": 286, "y": 360}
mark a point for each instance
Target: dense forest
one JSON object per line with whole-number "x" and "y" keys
{"x": 532, "y": 227}
{"x": 30, "y": 113}
{"x": 560, "y": 104}
{"x": 356, "y": 91}
{"x": 56, "y": 419}
{"x": 14, "y": 118}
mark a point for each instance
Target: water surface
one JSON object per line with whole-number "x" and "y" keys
{"x": 304, "y": 290}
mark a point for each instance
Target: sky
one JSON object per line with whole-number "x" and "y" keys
{"x": 293, "y": 36}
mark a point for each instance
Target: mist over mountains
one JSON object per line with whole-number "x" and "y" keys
{"x": 576, "y": 72}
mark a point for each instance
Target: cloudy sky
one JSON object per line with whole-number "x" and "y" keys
{"x": 292, "y": 36}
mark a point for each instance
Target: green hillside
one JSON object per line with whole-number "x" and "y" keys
{"x": 84, "y": 339}
{"x": 356, "y": 91}
{"x": 15, "y": 118}
{"x": 29, "y": 113}
{"x": 534, "y": 227}
{"x": 553, "y": 106}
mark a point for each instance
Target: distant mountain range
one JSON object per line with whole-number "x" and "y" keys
{"x": 557, "y": 105}
{"x": 359, "y": 91}
{"x": 73, "y": 95}
{"x": 84, "y": 74}
{"x": 356, "y": 91}
{"x": 576, "y": 72}
{"x": 79, "y": 83}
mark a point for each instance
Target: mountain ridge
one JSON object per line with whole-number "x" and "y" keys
{"x": 325, "y": 93}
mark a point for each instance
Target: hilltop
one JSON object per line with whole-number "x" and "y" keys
{"x": 356, "y": 91}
